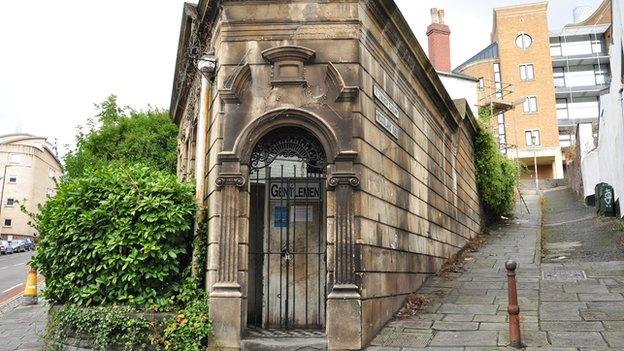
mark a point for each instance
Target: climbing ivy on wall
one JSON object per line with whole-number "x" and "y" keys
{"x": 497, "y": 176}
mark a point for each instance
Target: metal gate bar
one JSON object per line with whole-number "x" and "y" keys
{"x": 288, "y": 250}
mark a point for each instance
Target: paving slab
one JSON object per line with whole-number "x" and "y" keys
{"x": 576, "y": 339}
{"x": 465, "y": 338}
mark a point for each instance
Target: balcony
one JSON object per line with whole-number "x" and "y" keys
{"x": 582, "y": 91}
{"x": 578, "y": 60}
{"x": 570, "y": 123}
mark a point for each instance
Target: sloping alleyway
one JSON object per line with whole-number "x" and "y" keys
{"x": 568, "y": 305}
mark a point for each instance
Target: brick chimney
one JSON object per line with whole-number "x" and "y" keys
{"x": 439, "y": 41}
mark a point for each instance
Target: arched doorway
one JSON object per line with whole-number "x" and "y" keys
{"x": 287, "y": 238}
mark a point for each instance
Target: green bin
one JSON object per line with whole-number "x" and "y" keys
{"x": 605, "y": 199}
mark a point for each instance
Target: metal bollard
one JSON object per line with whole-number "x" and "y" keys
{"x": 513, "y": 308}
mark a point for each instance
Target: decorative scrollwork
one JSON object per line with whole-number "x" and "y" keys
{"x": 288, "y": 143}
{"x": 224, "y": 180}
{"x": 346, "y": 179}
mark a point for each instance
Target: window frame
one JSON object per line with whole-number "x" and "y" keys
{"x": 12, "y": 202}
{"x": 523, "y": 35}
{"x": 567, "y": 108}
{"x": 527, "y": 102}
{"x": 532, "y": 133}
{"x": 4, "y": 223}
{"x": 12, "y": 179}
{"x": 524, "y": 68}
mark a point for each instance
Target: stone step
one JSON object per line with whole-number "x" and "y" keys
{"x": 284, "y": 344}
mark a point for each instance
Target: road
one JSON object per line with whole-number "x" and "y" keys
{"x": 13, "y": 270}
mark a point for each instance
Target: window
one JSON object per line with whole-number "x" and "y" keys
{"x": 600, "y": 74}
{"x": 523, "y": 41}
{"x": 527, "y": 72}
{"x": 562, "y": 109}
{"x": 555, "y": 46}
{"x": 596, "y": 44}
{"x": 497, "y": 81}
{"x": 13, "y": 179}
{"x": 559, "y": 76}
{"x": 49, "y": 193}
{"x": 10, "y": 201}
{"x": 532, "y": 137}
{"x": 502, "y": 140}
{"x": 8, "y": 222}
{"x": 51, "y": 173}
{"x": 481, "y": 84}
{"x": 530, "y": 104}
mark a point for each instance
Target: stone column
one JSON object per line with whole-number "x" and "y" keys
{"x": 226, "y": 298}
{"x": 344, "y": 306}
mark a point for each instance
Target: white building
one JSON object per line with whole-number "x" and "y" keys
{"x": 28, "y": 172}
{"x": 605, "y": 163}
{"x": 580, "y": 60}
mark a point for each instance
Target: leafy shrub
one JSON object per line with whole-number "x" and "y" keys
{"x": 496, "y": 175}
{"x": 103, "y": 328}
{"x": 126, "y": 136}
{"x": 190, "y": 328}
{"x": 120, "y": 235}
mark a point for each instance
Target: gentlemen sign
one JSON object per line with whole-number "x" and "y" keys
{"x": 295, "y": 191}
{"x": 386, "y": 101}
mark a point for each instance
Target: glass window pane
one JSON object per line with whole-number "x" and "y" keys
{"x": 533, "y": 104}
{"x": 523, "y": 73}
{"x": 536, "y": 137}
{"x": 527, "y": 138}
{"x": 530, "y": 72}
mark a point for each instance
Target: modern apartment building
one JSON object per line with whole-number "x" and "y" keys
{"x": 28, "y": 172}
{"x": 516, "y": 83}
{"x": 580, "y": 60}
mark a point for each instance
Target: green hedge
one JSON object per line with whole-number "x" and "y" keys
{"x": 120, "y": 235}
{"x": 496, "y": 175}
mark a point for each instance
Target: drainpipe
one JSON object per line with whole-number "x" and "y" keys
{"x": 207, "y": 66}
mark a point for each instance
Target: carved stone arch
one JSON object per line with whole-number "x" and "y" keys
{"x": 333, "y": 78}
{"x": 236, "y": 84}
{"x": 289, "y": 117}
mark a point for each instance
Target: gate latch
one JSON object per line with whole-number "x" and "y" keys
{"x": 285, "y": 253}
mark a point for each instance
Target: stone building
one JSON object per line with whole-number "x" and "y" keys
{"x": 334, "y": 170}
{"x": 28, "y": 172}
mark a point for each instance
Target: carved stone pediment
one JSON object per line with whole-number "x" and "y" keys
{"x": 236, "y": 84}
{"x": 288, "y": 64}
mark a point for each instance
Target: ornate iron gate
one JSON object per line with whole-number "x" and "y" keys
{"x": 287, "y": 246}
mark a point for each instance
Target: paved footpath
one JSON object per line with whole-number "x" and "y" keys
{"x": 21, "y": 327}
{"x": 469, "y": 310}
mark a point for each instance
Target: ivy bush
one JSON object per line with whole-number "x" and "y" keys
{"x": 119, "y": 235}
{"x": 496, "y": 175}
{"x": 102, "y": 328}
{"x": 190, "y": 329}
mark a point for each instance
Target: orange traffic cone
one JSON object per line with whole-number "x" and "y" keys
{"x": 30, "y": 291}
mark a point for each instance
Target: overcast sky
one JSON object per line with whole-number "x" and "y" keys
{"x": 60, "y": 57}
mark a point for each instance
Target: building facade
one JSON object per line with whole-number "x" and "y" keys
{"x": 604, "y": 161}
{"x": 516, "y": 83}
{"x": 333, "y": 169}
{"x": 29, "y": 169}
{"x": 580, "y": 59}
